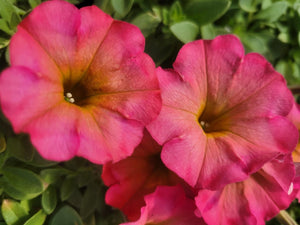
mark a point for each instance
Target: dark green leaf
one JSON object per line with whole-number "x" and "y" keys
{"x": 206, "y": 11}
{"x": 66, "y": 216}
{"x": 272, "y": 13}
{"x": 23, "y": 180}
{"x": 185, "y": 31}
{"x": 67, "y": 188}
{"x": 122, "y": 6}
{"x": 20, "y": 147}
{"x": 89, "y": 201}
{"x": 37, "y": 219}
{"x": 53, "y": 175}
{"x": 2, "y": 143}
{"x": 12, "y": 212}
{"x": 49, "y": 199}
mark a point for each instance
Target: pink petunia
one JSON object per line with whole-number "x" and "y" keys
{"x": 130, "y": 179}
{"x": 223, "y": 115}
{"x": 168, "y": 206}
{"x": 79, "y": 83}
{"x": 253, "y": 201}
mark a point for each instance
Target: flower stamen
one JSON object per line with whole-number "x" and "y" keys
{"x": 69, "y": 98}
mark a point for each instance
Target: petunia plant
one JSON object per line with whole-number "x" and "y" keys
{"x": 149, "y": 112}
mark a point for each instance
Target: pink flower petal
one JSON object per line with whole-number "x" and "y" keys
{"x": 87, "y": 70}
{"x": 132, "y": 178}
{"x": 253, "y": 201}
{"x": 168, "y": 206}
{"x": 227, "y": 109}
{"x": 24, "y": 95}
{"x": 106, "y": 136}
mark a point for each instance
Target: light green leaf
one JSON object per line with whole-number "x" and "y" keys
{"x": 49, "y": 199}
{"x": 12, "y": 212}
{"x": 34, "y": 3}
{"x": 249, "y": 5}
{"x": 37, "y": 219}
{"x": 206, "y": 11}
{"x": 122, "y": 6}
{"x": 23, "y": 180}
{"x": 8, "y": 13}
{"x": 176, "y": 13}
{"x": 4, "y": 27}
{"x": 273, "y": 12}
{"x": 67, "y": 216}
{"x": 185, "y": 31}
{"x": 147, "y": 22}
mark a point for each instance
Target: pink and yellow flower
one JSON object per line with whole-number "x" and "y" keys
{"x": 130, "y": 179}
{"x": 168, "y": 206}
{"x": 253, "y": 201}
{"x": 223, "y": 115}
{"x": 79, "y": 83}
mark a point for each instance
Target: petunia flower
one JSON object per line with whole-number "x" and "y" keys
{"x": 168, "y": 206}
{"x": 253, "y": 201}
{"x": 223, "y": 115}
{"x": 79, "y": 83}
{"x": 294, "y": 116}
{"x": 130, "y": 179}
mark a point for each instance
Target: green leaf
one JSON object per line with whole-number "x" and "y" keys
{"x": 122, "y": 6}
{"x": 147, "y": 22}
{"x": 67, "y": 216}
{"x": 89, "y": 201}
{"x": 206, "y": 11}
{"x": 12, "y": 212}
{"x": 4, "y": 27}
{"x": 23, "y": 180}
{"x": 176, "y": 12}
{"x": 34, "y": 3}
{"x": 20, "y": 147}
{"x": 2, "y": 143}
{"x": 249, "y": 5}
{"x": 273, "y": 12}
{"x": 185, "y": 31}
{"x": 49, "y": 199}
{"x": 37, "y": 219}
{"x": 9, "y": 14}
{"x": 67, "y": 188}
{"x": 208, "y": 31}
{"x": 289, "y": 70}
{"x": 53, "y": 175}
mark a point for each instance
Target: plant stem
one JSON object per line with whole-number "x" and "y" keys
{"x": 285, "y": 219}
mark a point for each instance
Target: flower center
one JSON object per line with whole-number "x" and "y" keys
{"x": 69, "y": 97}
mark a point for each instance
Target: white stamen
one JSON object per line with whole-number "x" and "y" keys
{"x": 72, "y": 100}
{"x": 69, "y": 95}
{"x": 291, "y": 188}
{"x": 202, "y": 123}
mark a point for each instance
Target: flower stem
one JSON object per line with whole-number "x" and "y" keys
{"x": 285, "y": 219}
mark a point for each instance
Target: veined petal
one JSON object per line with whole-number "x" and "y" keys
{"x": 239, "y": 103}
{"x": 57, "y": 141}
{"x": 106, "y": 135}
{"x": 254, "y": 200}
{"x": 54, "y": 26}
{"x": 168, "y": 206}
{"x": 24, "y": 95}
